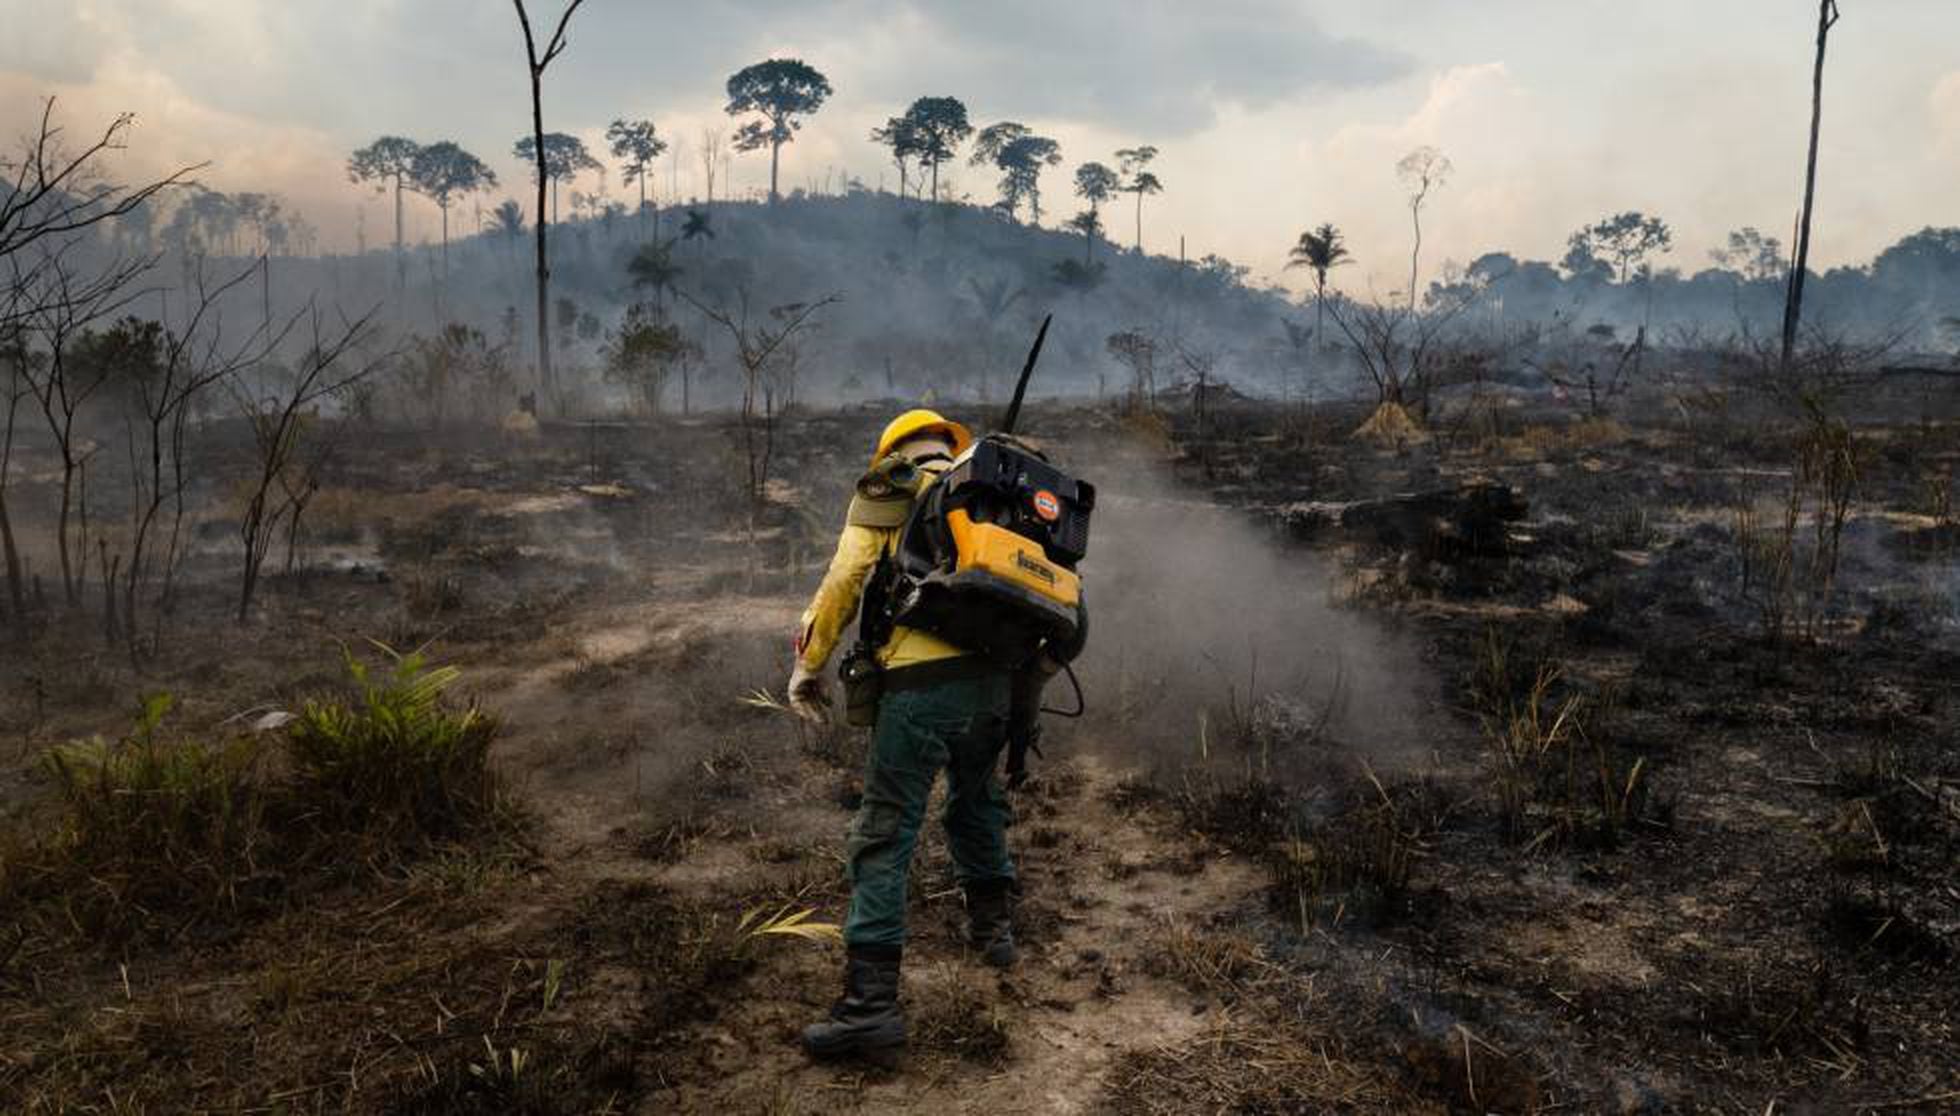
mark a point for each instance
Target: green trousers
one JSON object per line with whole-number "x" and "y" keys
{"x": 958, "y": 727}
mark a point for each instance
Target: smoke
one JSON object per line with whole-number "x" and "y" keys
{"x": 1201, "y": 624}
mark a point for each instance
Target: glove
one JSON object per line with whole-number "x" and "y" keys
{"x": 809, "y": 698}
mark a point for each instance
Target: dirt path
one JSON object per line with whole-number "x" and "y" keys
{"x": 1102, "y": 891}
{"x": 630, "y": 742}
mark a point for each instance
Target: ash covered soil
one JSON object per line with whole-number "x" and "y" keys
{"x": 1517, "y": 770}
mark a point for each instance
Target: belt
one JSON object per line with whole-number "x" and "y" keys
{"x": 936, "y": 672}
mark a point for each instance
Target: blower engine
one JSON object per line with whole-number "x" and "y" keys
{"x": 988, "y": 558}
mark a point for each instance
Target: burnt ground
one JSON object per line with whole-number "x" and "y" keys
{"x": 1722, "y": 882}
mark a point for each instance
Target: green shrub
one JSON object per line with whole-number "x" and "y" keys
{"x": 396, "y": 761}
{"x": 148, "y": 823}
{"x": 150, "y": 833}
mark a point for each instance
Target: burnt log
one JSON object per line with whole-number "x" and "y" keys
{"x": 1469, "y": 519}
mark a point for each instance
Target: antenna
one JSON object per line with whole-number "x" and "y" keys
{"x": 1027, "y": 370}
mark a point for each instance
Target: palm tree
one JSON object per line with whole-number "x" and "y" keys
{"x": 508, "y": 219}
{"x": 696, "y": 225}
{"x": 1319, "y": 250}
{"x": 653, "y": 267}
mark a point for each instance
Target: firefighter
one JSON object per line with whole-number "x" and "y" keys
{"x": 939, "y": 708}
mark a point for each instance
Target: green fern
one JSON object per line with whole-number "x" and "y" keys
{"x": 398, "y": 758}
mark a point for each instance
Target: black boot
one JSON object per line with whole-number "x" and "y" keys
{"x": 990, "y": 921}
{"x": 865, "y": 1021}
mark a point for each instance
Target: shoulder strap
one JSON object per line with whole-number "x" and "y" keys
{"x": 884, "y": 496}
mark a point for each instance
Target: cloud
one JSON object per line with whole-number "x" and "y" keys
{"x": 1944, "y": 104}
{"x": 54, "y": 44}
{"x": 1154, "y": 67}
{"x": 1273, "y": 114}
{"x": 1158, "y": 69}
{"x": 1506, "y": 175}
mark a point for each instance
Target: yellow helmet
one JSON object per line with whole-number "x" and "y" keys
{"x": 921, "y": 421}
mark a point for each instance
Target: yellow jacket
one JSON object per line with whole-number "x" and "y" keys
{"x": 836, "y": 602}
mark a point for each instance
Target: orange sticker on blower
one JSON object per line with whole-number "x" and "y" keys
{"x": 1046, "y": 506}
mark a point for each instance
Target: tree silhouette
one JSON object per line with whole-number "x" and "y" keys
{"x": 442, "y": 172}
{"x": 1755, "y": 256}
{"x": 1827, "y": 17}
{"x": 780, "y": 89}
{"x": 1421, "y": 171}
{"x": 636, "y": 146}
{"x": 508, "y": 219}
{"x": 1139, "y": 181}
{"x": 653, "y": 267}
{"x": 388, "y": 161}
{"x": 565, "y": 158}
{"x": 1095, "y": 183}
{"x": 1319, "y": 250}
{"x": 643, "y": 352}
{"x": 536, "y": 62}
{"x": 899, "y": 134}
{"x": 697, "y": 225}
{"x": 938, "y": 126}
{"x": 1020, "y": 155}
{"x": 1625, "y": 239}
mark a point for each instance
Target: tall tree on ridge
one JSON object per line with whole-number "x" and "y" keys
{"x": 1095, "y": 183}
{"x": 939, "y": 126}
{"x": 780, "y": 89}
{"x": 636, "y": 145}
{"x": 443, "y": 171}
{"x": 1020, "y": 155}
{"x": 388, "y": 161}
{"x": 565, "y": 158}
{"x": 898, "y": 134}
{"x": 1140, "y": 181}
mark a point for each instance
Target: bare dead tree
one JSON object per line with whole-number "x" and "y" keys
{"x": 158, "y": 403}
{"x": 1422, "y": 171}
{"x": 55, "y": 190}
{"x": 1827, "y": 17}
{"x": 1585, "y": 371}
{"x": 758, "y": 343}
{"x": 536, "y": 63}
{"x": 50, "y": 194}
{"x": 63, "y": 308}
{"x": 1401, "y": 349}
{"x": 711, "y": 154}
{"x": 1138, "y": 352}
{"x": 280, "y": 424}
{"x": 13, "y": 389}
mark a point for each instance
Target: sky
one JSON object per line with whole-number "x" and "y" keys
{"x": 1270, "y": 116}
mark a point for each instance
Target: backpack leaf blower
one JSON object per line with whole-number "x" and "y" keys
{"x": 987, "y": 559}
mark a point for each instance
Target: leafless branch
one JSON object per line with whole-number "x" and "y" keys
{"x": 52, "y": 192}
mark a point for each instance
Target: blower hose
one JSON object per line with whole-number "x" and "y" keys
{"x": 1081, "y": 705}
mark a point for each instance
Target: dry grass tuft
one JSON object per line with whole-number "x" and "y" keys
{"x": 1391, "y": 426}
{"x": 1218, "y": 962}
{"x": 960, "y": 1019}
{"x": 1553, "y": 772}
{"x": 1241, "y": 1066}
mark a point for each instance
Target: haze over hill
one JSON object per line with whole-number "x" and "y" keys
{"x": 1271, "y": 117}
